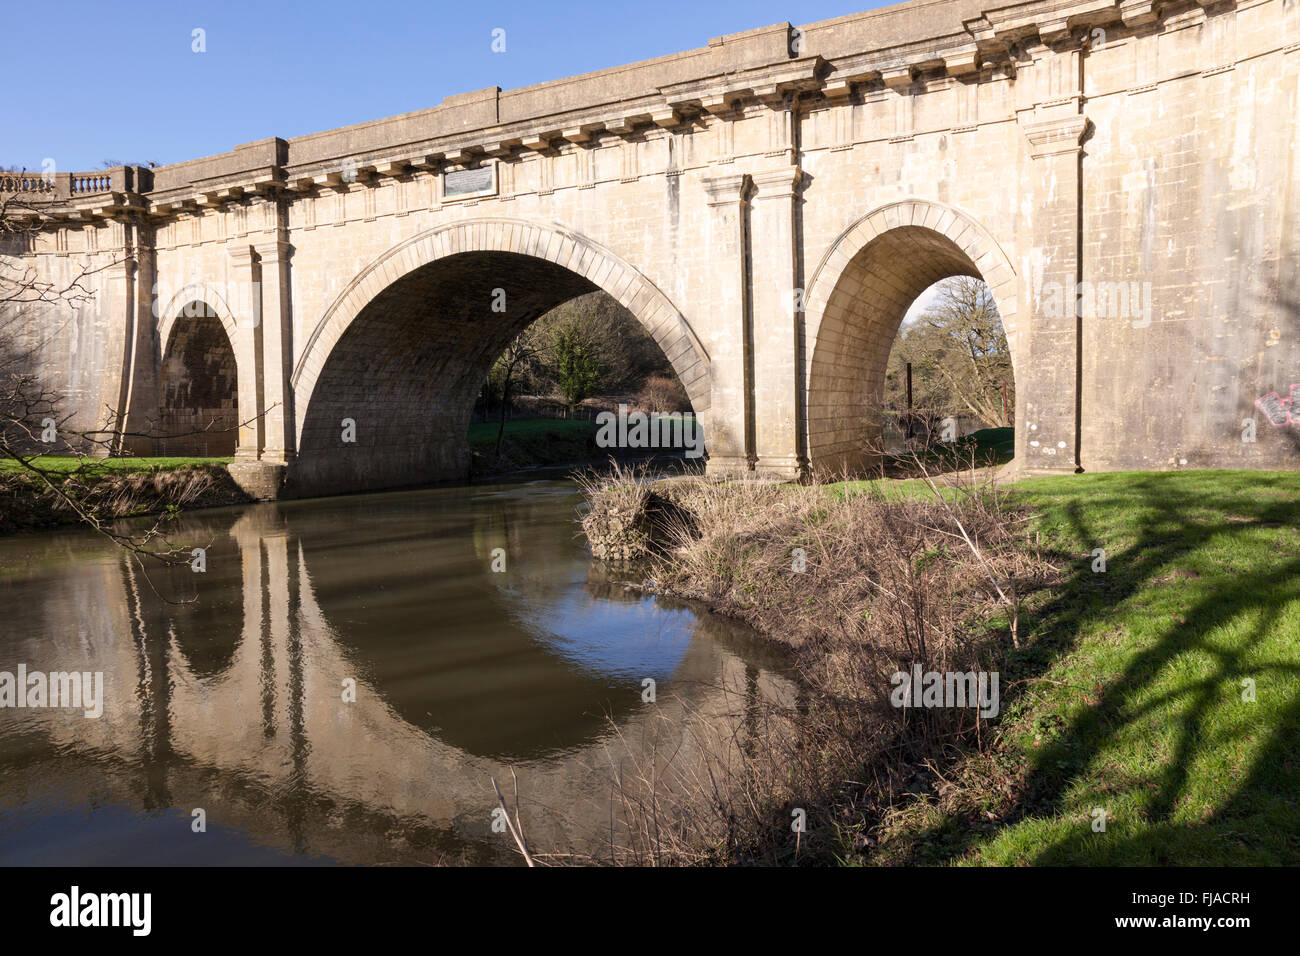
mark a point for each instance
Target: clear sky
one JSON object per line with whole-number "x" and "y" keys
{"x": 121, "y": 82}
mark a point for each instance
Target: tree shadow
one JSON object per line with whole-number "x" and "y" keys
{"x": 1167, "y": 533}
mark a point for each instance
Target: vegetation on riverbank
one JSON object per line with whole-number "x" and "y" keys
{"x": 541, "y": 442}
{"x": 860, "y": 583}
{"x": 68, "y": 463}
{"x": 108, "y": 488}
{"x": 985, "y": 448}
{"x": 1126, "y": 699}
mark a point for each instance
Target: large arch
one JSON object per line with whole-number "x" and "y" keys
{"x": 857, "y": 298}
{"x": 404, "y": 347}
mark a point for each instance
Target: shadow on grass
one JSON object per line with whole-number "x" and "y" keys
{"x": 1167, "y": 532}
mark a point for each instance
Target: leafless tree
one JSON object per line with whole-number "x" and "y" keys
{"x": 959, "y": 355}
{"x": 522, "y": 355}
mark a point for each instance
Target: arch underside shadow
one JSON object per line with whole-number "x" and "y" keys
{"x": 886, "y": 260}
{"x": 404, "y": 359}
{"x": 408, "y": 368}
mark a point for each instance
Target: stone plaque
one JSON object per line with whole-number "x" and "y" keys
{"x": 463, "y": 183}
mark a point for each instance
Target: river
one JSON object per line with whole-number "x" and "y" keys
{"x": 344, "y": 680}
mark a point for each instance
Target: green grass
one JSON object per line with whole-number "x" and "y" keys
{"x": 998, "y": 442}
{"x": 530, "y": 442}
{"x": 1127, "y": 695}
{"x": 483, "y": 435}
{"x": 68, "y": 463}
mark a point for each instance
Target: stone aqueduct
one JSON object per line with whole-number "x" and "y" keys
{"x": 1125, "y": 174}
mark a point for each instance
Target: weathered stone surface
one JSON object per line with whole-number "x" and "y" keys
{"x": 1143, "y": 161}
{"x": 260, "y": 480}
{"x": 617, "y": 537}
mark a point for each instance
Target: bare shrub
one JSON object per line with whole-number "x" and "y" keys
{"x": 628, "y": 515}
{"x": 662, "y": 394}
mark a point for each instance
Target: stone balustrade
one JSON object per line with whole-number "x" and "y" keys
{"x": 55, "y": 187}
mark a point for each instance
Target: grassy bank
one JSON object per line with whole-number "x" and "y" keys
{"x": 109, "y": 488}
{"x": 1123, "y": 698}
{"x": 68, "y": 463}
{"x": 1128, "y": 698}
{"x": 533, "y": 443}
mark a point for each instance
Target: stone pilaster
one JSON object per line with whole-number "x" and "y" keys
{"x": 276, "y": 324}
{"x": 774, "y": 256}
{"x": 1047, "y": 386}
{"x": 248, "y": 357}
{"x": 729, "y": 436}
{"x": 120, "y": 318}
{"x": 140, "y": 404}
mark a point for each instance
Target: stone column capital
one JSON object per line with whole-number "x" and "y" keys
{"x": 777, "y": 182}
{"x": 1050, "y": 137}
{"x": 727, "y": 190}
{"x": 276, "y": 250}
{"x": 242, "y": 255}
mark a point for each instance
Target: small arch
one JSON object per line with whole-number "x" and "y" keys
{"x": 856, "y": 300}
{"x": 200, "y": 293}
{"x": 198, "y": 395}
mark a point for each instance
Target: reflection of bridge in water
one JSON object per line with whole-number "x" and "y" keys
{"x": 234, "y": 703}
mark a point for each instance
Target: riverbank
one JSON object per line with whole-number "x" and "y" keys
{"x": 132, "y": 487}
{"x": 1121, "y": 681}
{"x": 529, "y": 444}
{"x": 111, "y": 488}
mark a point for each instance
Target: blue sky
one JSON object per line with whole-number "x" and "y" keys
{"x": 121, "y": 82}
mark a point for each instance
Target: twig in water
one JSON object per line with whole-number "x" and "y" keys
{"x": 516, "y": 831}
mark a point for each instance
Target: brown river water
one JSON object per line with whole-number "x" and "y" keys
{"x": 223, "y": 691}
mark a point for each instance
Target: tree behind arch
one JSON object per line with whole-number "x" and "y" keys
{"x": 959, "y": 356}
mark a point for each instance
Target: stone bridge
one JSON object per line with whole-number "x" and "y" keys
{"x": 1124, "y": 174}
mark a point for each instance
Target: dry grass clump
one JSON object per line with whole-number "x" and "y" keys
{"x": 629, "y": 515}
{"x": 129, "y": 494}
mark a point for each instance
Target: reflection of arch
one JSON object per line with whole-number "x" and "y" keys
{"x": 546, "y": 241}
{"x": 266, "y": 735}
{"x": 857, "y": 298}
